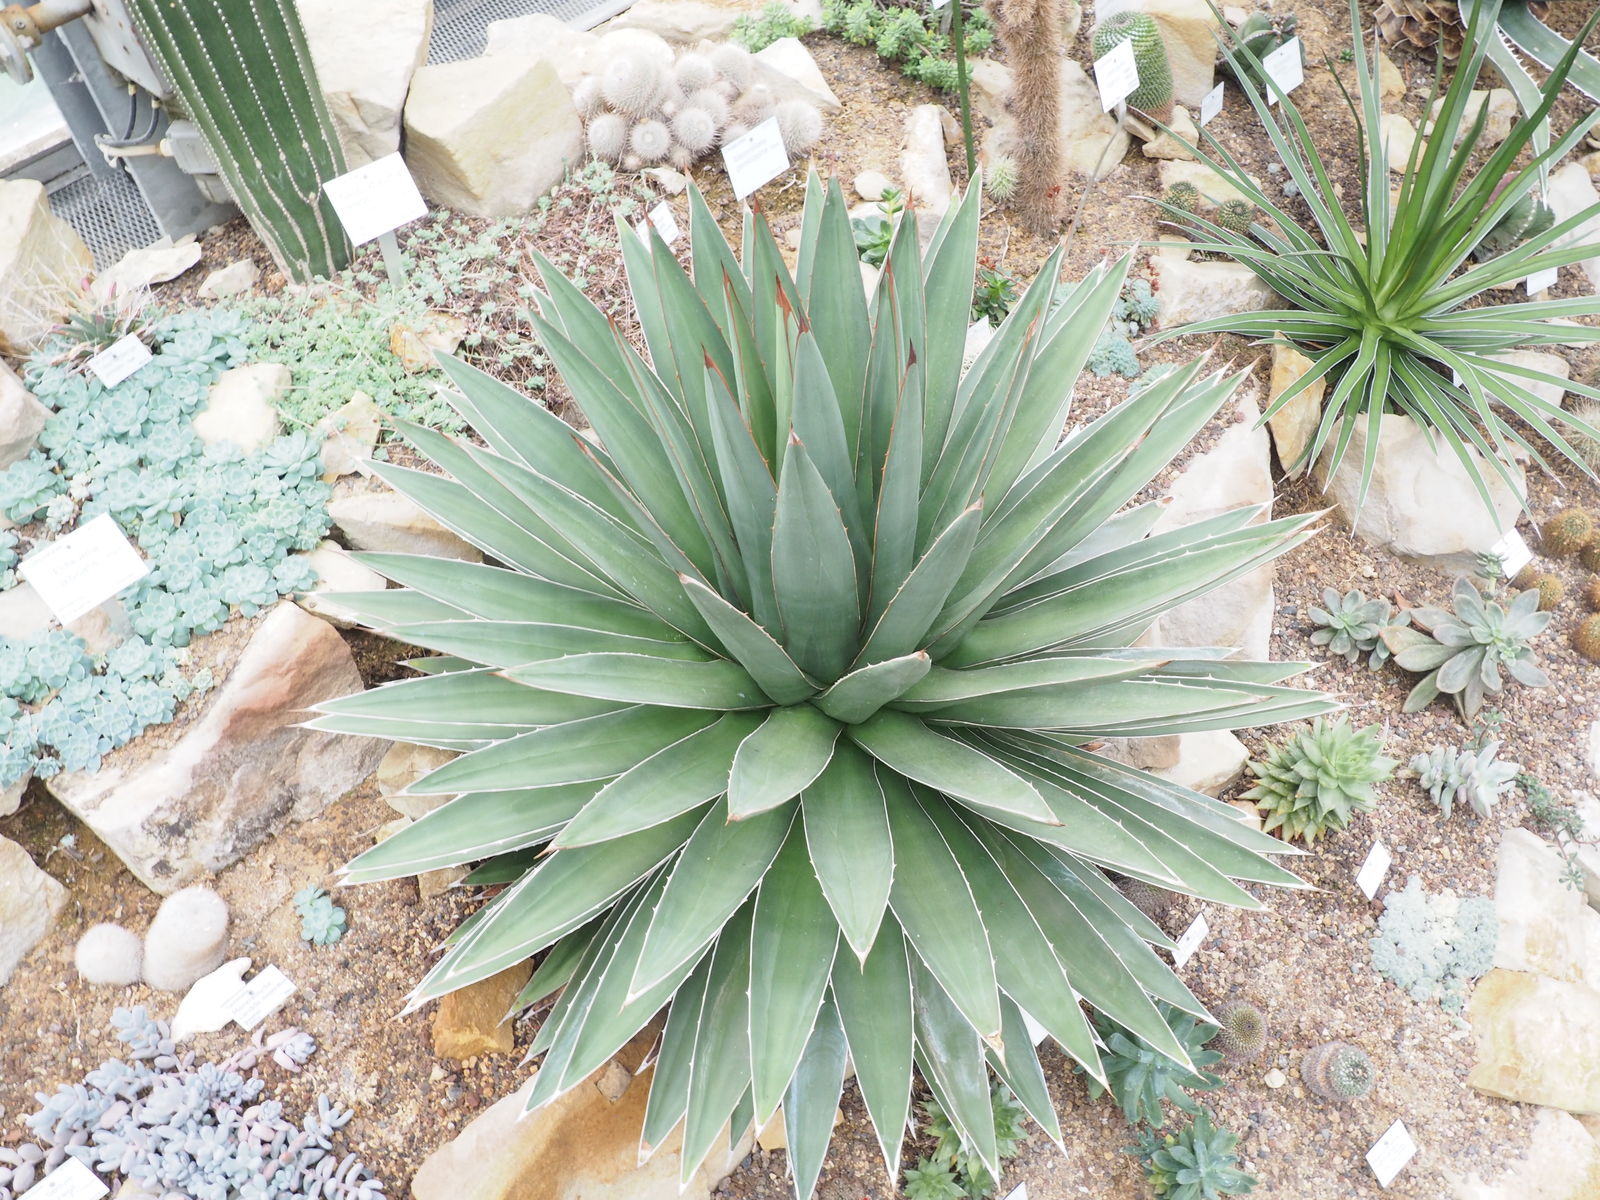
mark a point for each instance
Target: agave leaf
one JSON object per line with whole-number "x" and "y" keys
{"x": 874, "y": 1001}
{"x": 813, "y": 1098}
{"x": 852, "y": 850}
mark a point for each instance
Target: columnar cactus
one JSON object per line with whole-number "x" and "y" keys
{"x": 242, "y": 71}
{"x": 1030, "y": 33}
{"x": 1153, "y": 96}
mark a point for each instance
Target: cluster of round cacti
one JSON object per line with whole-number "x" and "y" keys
{"x": 1337, "y": 1071}
{"x": 1550, "y": 588}
{"x": 640, "y": 113}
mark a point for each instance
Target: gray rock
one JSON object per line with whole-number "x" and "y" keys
{"x": 1571, "y": 192}
{"x": 923, "y": 163}
{"x": 29, "y": 903}
{"x": 679, "y": 21}
{"x": 240, "y": 406}
{"x": 140, "y": 269}
{"x": 871, "y": 185}
{"x": 489, "y": 136}
{"x": 365, "y": 52}
{"x": 337, "y": 572}
{"x": 109, "y": 954}
{"x": 187, "y": 940}
{"x": 242, "y": 767}
{"x": 1537, "y": 360}
{"x": 1208, "y": 762}
{"x": 1545, "y": 927}
{"x": 1198, "y": 291}
{"x": 44, "y": 265}
{"x": 376, "y": 518}
{"x": 21, "y": 418}
{"x": 232, "y": 280}
{"x": 24, "y": 614}
{"x": 787, "y": 67}
{"x": 401, "y": 767}
{"x": 573, "y": 53}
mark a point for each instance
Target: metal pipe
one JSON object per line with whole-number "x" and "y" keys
{"x": 31, "y": 24}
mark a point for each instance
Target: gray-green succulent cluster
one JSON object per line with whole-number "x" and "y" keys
{"x": 1466, "y": 649}
{"x": 1351, "y": 625}
{"x": 1320, "y": 778}
{"x": 1197, "y": 1162}
{"x": 1140, "y": 1077}
{"x": 776, "y": 715}
{"x": 1477, "y": 776}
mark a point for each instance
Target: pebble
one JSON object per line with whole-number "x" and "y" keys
{"x": 1275, "y": 1079}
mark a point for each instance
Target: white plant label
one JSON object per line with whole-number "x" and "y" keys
{"x": 261, "y": 997}
{"x": 756, "y": 158}
{"x": 1211, "y": 104}
{"x": 1542, "y": 280}
{"x": 70, "y": 1181}
{"x": 1035, "y": 1030}
{"x": 1020, "y": 1192}
{"x": 376, "y": 199}
{"x": 79, "y": 572}
{"x": 937, "y": 5}
{"x": 1391, "y": 1152}
{"x": 1285, "y": 67}
{"x": 1191, "y": 940}
{"x": 1373, "y": 871}
{"x": 1512, "y": 552}
{"x": 1116, "y": 74}
{"x": 666, "y": 224}
{"x": 119, "y": 360}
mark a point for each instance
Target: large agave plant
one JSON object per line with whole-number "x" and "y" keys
{"x": 779, "y": 714}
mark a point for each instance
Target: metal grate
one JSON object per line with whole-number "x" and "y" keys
{"x": 459, "y": 26}
{"x": 109, "y": 214}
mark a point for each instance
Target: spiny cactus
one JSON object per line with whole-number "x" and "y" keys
{"x": 1241, "y": 1031}
{"x": 588, "y": 97}
{"x": 1591, "y": 592}
{"x": 1236, "y": 216}
{"x": 734, "y": 64}
{"x": 712, "y": 104}
{"x": 754, "y": 106}
{"x": 1153, "y": 96}
{"x": 1479, "y": 777}
{"x": 608, "y": 137}
{"x": 692, "y": 72}
{"x": 1564, "y": 534}
{"x": 1586, "y": 638}
{"x": 1183, "y": 196}
{"x": 695, "y": 130}
{"x": 1001, "y": 180}
{"x": 1589, "y": 554}
{"x": 800, "y": 124}
{"x": 632, "y": 83}
{"x": 650, "y": 140}
{"x": 1551, "y": 591}
{"x": 1337, "y": 1071}
{"x": 276, "y": 147}
{"x": 1154, "y": 902}
{"x": 1587, "y": 411}
{"x": 1030, "y": 33}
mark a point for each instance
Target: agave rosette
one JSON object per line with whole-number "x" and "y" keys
{"x": 777, "y": 713}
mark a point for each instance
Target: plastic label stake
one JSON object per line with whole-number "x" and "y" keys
{"x": 756, "y": 158}
{"x": 1116, "y": 74}
{"x": 119, "y": 360}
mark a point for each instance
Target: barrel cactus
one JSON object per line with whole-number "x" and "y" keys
{"x": 1337, "y": 1071}
{"x": 1153, "y": 96}
{"x": 777, "y": 715}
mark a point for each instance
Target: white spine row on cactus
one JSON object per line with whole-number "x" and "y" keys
{"x": 608, "y": 137}
{"x": 695, "y": 130}
{"x": 650, "y": 141}
{"x": 632, "y": 83}
{"x": 693, "y": 72}
{"x": 800, "y": 124}
{"x": 734, "y": 64}
{"x": 710, "y": 102}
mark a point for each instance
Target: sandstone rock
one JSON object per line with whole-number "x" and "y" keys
{"x": 139, "y": 269}
{"x": 44, "y": 265}
{"x": 21, "y": 418}
{"x": 680, "y": 20}
{"x": 438, "y": 882}
{"x": 1545, "y": 927}
{"x": 871, "y": 185}
{"x": 1502, "y": 112}
{"x": 1398, "y": 136}
{"x": 1295, "y": 424}
{"x": 1092, "y": 144}
{"x": 1208, "y": 762}
{"x": 489, "y": 136}
{"x": 1536, "y": 360}
{"x": 1174, "y": 142}
{"x": 580, "y": 1145}
{"x": 380, "y": 519}
{"x": 1391, "y": 83}
{"x": 1146, "y": 753}
{"x": 1233, "y": 473}
{"x": 923, "y": 164}
{"x": 1188, "y": 27}
{"x": 1213, "y": 188}
{"x": 1421, "y": 503}
{"x": 349, "y": 436}
{"x": 1197, "y": 291}
{"x": 232, "y": 280}
{"x": 788, "y": 68}
{"x": 337, "y": 572}
{"x": 774, "y": 1136}
{"x": 240, "y": 407}
{"x": 673, "y": 183}
{"x": 240, "y": 769}
{"x": 23, "y": 612}
{"x": 574, "y": 53}
{"x": 401, "y": 767}
{"x": 29, "y": 902}
{"x": 1571, "y": 192}
{"x": 1538, "y": 1040}
{"x": 365, "y": 52}
{"x": 415, "y": 343}
{"x": 1562, "y": 1162}
{"x": 989, "y": 88}
{"x": 475, "y": 1019}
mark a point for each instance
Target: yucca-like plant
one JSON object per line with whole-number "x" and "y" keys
{"x": 775, "y": 713}
{"x": 1382, "y": 305}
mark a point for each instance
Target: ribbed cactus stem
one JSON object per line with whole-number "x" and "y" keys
{"x": 242, "y": 71}
{"x": 1153, "y": 96}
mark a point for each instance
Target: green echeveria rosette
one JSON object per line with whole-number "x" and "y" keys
{"x": 773, "y": 697}
{"x": 1319, "y": 779}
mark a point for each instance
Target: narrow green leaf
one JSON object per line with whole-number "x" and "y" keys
{"x": 812, "y": 1100}
{"x": 864, "y": 691}
{"x": 756, "y": 650}
{"x": 646, "y": 679}
{"x": 951, "y": 1057}
{"x": 778, "y": 760}
{"x": 874, "y": 1001}
{"x": 813, "y": 571}
{"x": 847, "y": 833}
{"x": 720, "y": 1072}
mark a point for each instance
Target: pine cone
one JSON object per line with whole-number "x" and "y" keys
{"x": 1427, "y": 23}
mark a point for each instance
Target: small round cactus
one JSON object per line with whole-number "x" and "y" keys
{"x": 1526, "y": 578}
{"x": 754, "y": 106}
{"x": 632, "y": 84}
{"x": 1564, "y": 534}
{"x": 695, "y": 131}
{"x": 650, "y": 141}
{"x": 710, "y": 102}
{"x": 1241, "y": 1031}
{"x": 608, "y": 137}
{"x": 800, "y": 123}
{"x": 693, "y": 71}
{"x": 1591, "y": 592}
{"x": 1586, "y": 638}
{"x": 1551, "y": 591}
{"x": 733, "y": 64}
{"x": 1589, "y": 554}
{"x": 1183, "y": 196}
{"x": 1001, "y": 180}
{"x": 587, "y": 97}
{"x": 680, "y": 157}
{"x": 1153, "y": 96}
{"x": 1152, "y": 901}
{"x": 1236, "y": 216}
{"x": 1337, "y": 1071}
{"x": 109, "y": 954}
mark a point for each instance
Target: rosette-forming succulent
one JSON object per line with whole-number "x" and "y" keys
{"x": 1466, "y": 649}
{"x": 1139, "y": 1077}
{"x": 1195, "y": 1163}
{"x": 1479, "y": 776}
{"x": 791, "y": 673}
{"x": 1320, "y": 778}
{"x": 1351, "y": 625}
{"x": 322, "y": 922}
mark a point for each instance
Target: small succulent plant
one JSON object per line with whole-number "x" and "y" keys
{"x": 1586, "y": 637}
{"x": 322, "y": 922}
{"x": 954, "y": 1163}
{"x": 1236, "y": 216}
{"x": 1463, "y": 655}
{"x": 1319, "y": 778}
{"x": 1195, "y": 1163}
{"x": 1001, "y": 180}
{"x": 1351, "y": 625}
{"x": 1566, "y": 533}
{"x": 1141, "y": 1077}
{"x": 1241, "y": 1031}
{"x": 1183, "y": 196}
{"x": 1337, "y": 1071}
{"x": 1477, "y": 776}
{"x": 1434, "y": 944}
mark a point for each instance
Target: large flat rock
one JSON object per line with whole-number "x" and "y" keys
{"x": 43, "y": 266}
{"x": 29, "y": 902}
{"x": 175, "y": 811}
{"x": 1538, "y": 1040}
